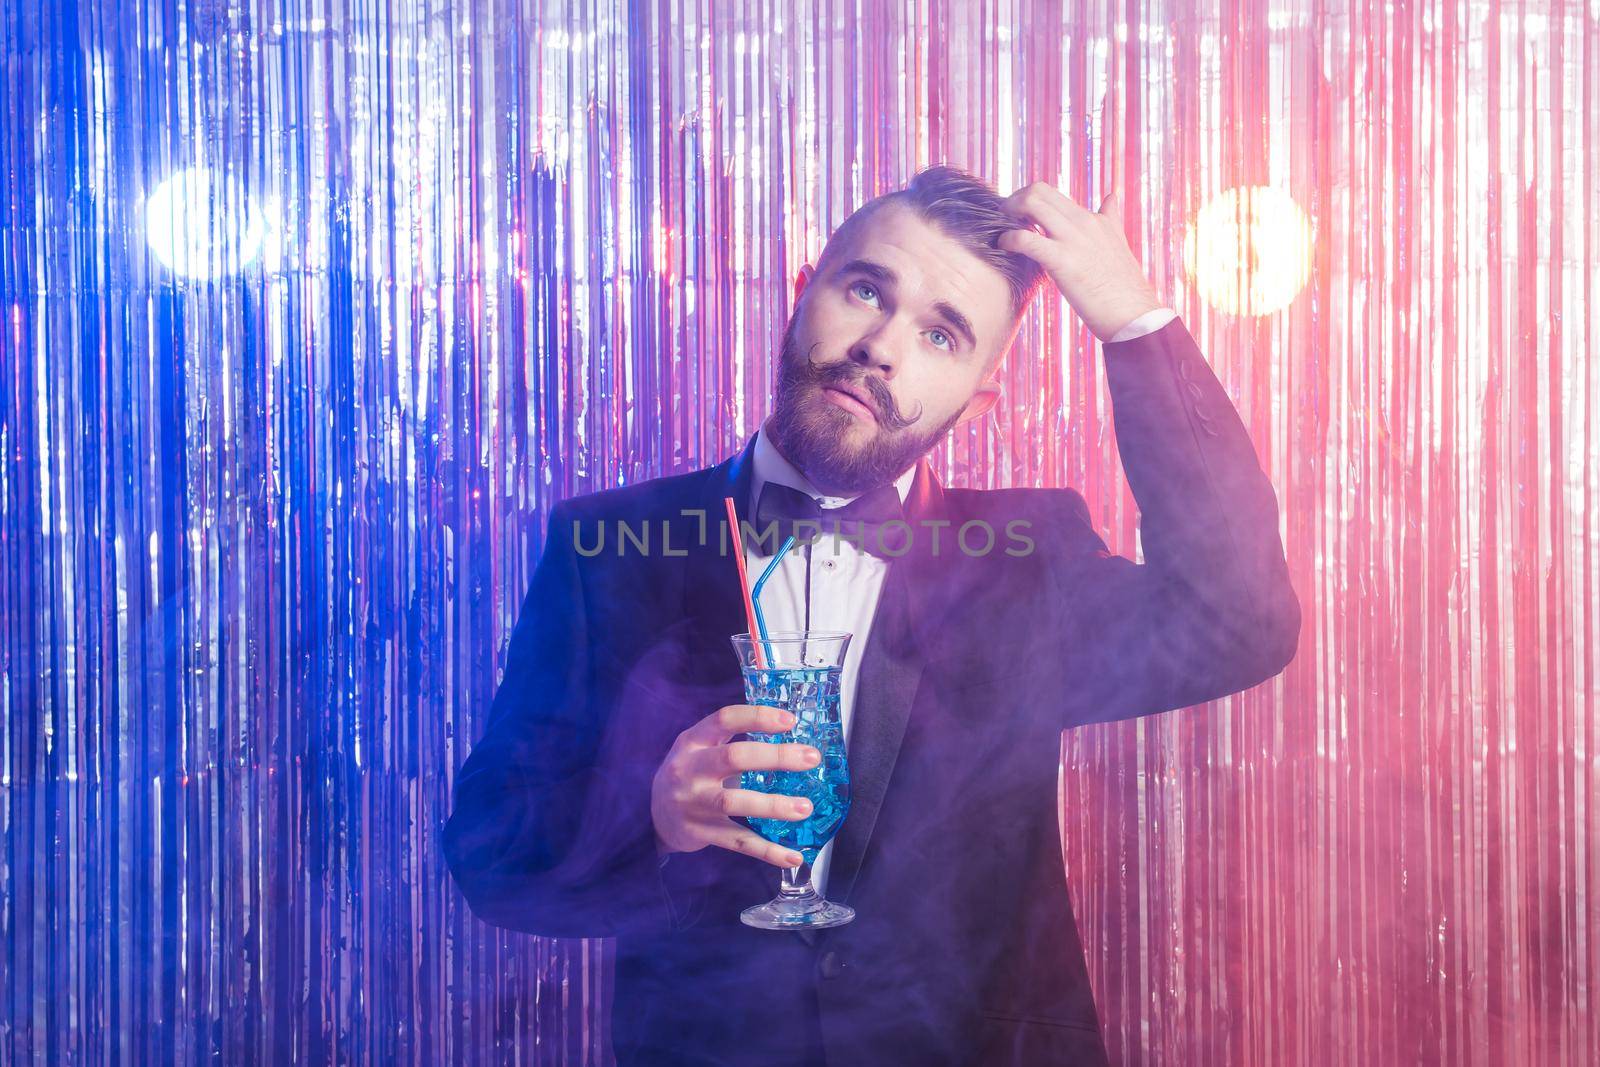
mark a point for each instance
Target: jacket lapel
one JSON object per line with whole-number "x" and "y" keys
{"x": 713, "y": 603}
{"x": 891, "y": 671}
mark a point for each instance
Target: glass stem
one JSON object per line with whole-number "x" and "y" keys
{"x": 796, "y": 881}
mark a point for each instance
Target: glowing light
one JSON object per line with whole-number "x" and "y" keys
{"x": 1249, "y": 250}
{"x": 202, "y": 226}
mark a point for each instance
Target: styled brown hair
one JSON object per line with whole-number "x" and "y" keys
{"x": 967, "y": 209}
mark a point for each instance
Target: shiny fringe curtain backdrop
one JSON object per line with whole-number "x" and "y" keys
{"x": 312, "y": 310}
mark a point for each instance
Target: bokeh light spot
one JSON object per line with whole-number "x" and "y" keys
{"x": 1249, "y": 250}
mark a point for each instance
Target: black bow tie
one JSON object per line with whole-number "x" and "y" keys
{"x": 861, "y": 520}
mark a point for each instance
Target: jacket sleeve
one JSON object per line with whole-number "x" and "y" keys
{"x": 1210, "y": 611}
{"x": 549, "y": 835}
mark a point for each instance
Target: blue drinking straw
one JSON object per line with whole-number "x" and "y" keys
{"x": 755, "y": 594}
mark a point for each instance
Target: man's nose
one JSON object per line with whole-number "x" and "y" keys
{"x": 879, "y": 350}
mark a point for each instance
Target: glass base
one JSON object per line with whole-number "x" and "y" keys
{"x": 791, "y": 911}
{"x": 782, "y": 914}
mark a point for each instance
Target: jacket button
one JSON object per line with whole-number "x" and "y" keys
{"x": 831, "y": 965}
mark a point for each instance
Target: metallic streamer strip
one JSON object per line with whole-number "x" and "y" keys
{"x": 312, "y": 310}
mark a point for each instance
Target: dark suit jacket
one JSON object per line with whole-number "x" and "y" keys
{"x": 964, "y": 949}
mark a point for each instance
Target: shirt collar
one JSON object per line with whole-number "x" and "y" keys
{"x": 769, "y": 465}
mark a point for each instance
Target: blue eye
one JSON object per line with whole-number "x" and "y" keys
{"x": 952, "y": 341}
{"x": 858, "y": 286}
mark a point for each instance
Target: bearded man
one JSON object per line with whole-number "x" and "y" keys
{"x": 604, "y": 798}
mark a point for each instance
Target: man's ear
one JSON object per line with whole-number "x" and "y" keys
{"x": 804, "y": 275}
{"x": 981, "y": 401}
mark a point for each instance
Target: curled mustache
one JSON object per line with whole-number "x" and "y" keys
{"x": 842, "y": 371}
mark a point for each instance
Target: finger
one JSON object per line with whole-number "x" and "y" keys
{"x": 1046, "y": 205}
{"x": 1040, "y": 221}
{"x": 727, "y": 763}
{"x": 1016, "y": 205}
{"x": 740, "y": 756}
{"x": 733, "y": 719}
{"x": 1112, "y": 204}
{"x": 753, "y": 805}
{"x": 737, "y": 839}
{"x": 1042, "y": 196}
{"x": 1025, "y": 242}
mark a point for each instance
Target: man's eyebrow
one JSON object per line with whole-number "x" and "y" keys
{"x": 879, "y": 273}
{"x": 958, "y": 320}
{"x": 876, "y": 271}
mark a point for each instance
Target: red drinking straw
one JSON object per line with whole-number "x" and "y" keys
{"x": 744, "y": 580}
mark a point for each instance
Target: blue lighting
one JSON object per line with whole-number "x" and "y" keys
{"x": 201, "y": 226}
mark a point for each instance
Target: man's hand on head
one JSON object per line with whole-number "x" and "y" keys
{"x": 1085, "y": 253}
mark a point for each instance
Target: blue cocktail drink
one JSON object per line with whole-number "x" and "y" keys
{"x": 812, "y": 694}
{"x": 799, "y": 671}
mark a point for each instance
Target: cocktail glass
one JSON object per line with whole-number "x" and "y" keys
{"x": 801, "y": 675}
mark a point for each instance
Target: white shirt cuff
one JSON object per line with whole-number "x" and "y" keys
{"x": 1149, "y": 322}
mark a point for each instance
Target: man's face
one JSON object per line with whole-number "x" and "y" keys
{"x": 886, "y": 351}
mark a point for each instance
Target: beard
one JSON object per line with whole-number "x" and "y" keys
{"x": 817, "y": 435}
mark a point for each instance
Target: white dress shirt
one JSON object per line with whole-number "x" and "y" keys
{"x": 1149, "y": 322}
{"x": 845, "y": 579}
